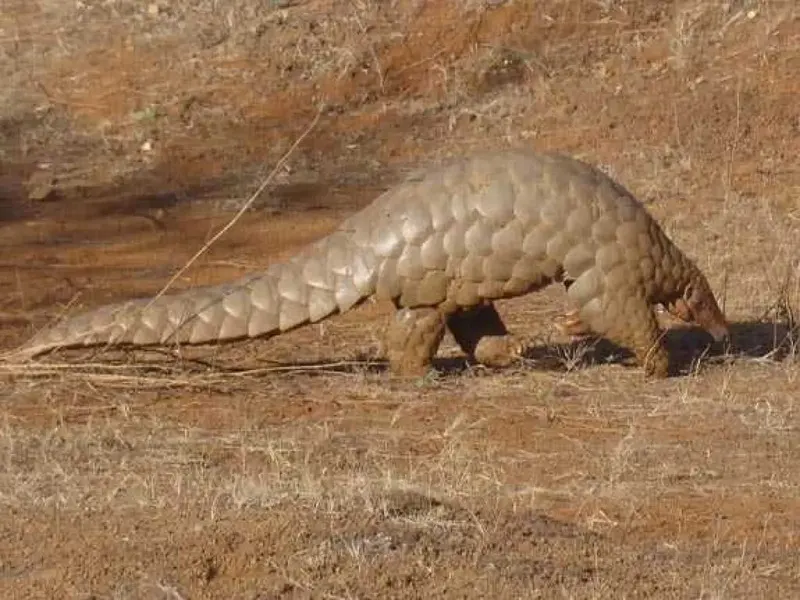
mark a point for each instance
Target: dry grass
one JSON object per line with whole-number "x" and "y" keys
{"x": 297, "y": 467}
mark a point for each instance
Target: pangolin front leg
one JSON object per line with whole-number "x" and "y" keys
{"x": 626, "y": 318}
{"x": 483, "y": 337}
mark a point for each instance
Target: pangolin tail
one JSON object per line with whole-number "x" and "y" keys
{"x": 328, "y": 277}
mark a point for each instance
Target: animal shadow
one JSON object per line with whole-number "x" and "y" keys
{"x": 687, "y": 346}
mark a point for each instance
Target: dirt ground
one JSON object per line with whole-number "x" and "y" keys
{"x": 297, "y": 467}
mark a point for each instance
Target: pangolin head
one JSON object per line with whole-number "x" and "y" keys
{"x": 697, "y": 305}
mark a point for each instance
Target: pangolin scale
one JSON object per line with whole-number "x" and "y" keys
{"x": 444, "y": 245}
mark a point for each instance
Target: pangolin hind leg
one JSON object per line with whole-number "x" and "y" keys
{"x": 412, "y": 339}
{"x": 482, "y": 336}
{"x": 569, "y": 323}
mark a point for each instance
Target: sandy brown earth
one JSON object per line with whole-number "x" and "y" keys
{"x": 296, "y": 467}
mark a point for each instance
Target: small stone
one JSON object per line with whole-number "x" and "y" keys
{"x": 41, "y": 187}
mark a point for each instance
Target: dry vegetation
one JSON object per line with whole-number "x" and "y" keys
{"x": 296, "y": 467}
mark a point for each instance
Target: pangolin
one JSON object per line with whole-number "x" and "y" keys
{"x": 443, "y": 245}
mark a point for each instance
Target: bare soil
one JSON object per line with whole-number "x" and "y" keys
{"x": 297, "y": 467}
